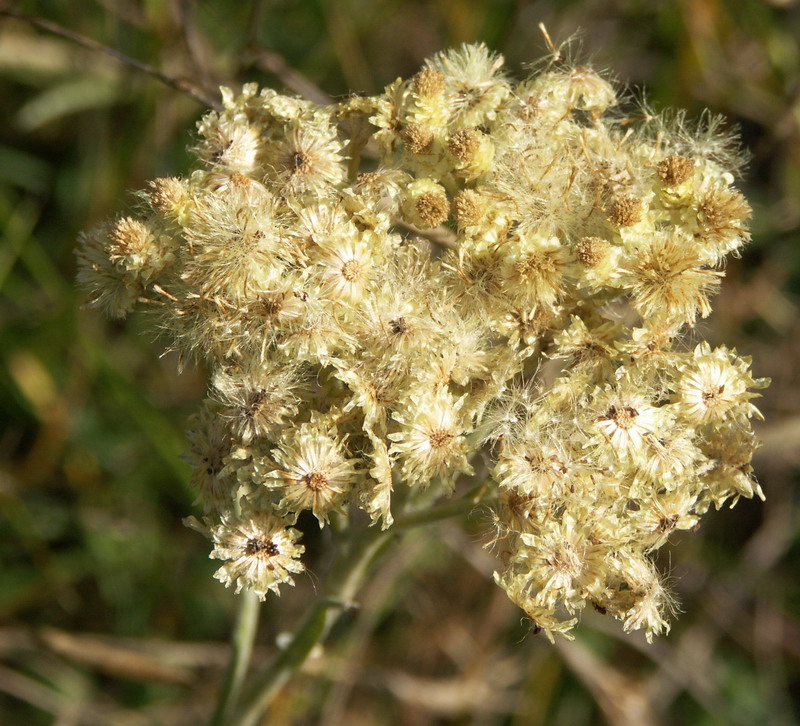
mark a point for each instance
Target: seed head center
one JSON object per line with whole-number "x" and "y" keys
{"x": 624, "y": 416}
{"x": 351, "y": 270}
{"x": 712, "y": 396}
{"x": 316, "y": 481}
{"x": 300, "y": 161}
{"x": 264, "y": 547}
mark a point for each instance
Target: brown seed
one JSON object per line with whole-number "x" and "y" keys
{"x": 467, "y": 207}
{"x": 269, "y": 304}
{"x": 623, "y": 416}
{"x": 316, "y": 481}
{"x": 240, "y": 181}
{"x": 417, "y": 139}
{"x": 428, "y": 83}
{"x": 719, "y": 209}
{"x": 626, "y": 211}
{"x": 433, "y": 209}
{"x": 398, "y": 326}
{"x": 439, "y": 437}
{"x": 129, "y": 237}
{"x": 368, "y": 177}
{"x": 464, "y": 144}
{"x": 299, "y": 162}
{"x": 165, "y": 194}
{"x": 674, "y": 170}
{"x": 257, "y": 546}
{"x": 351, "y": 270}
{"x": 591, "y": 251}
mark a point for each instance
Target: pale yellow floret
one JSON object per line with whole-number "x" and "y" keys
{"x": 230, "y": 145}
{"x": 346, "y": 268}
{"x": 625, "y": 419}
{"x": 307, "y": 160}
{"x": 209, "y": 452}
{"x": 314, "y": 472}
{"x": 714, "y": 387}
{"x": 425, "y": 204}
{"x": 256, "y": 401}
{"x": 534, "y": 269}
{"x": 376, "y": 495}
{"x": 474, "y": 83}
{"x": 431, "y": 442}
{"x": 670, "y": 279}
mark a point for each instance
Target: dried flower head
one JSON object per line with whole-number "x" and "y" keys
{"x": 314, "y": 472}
{"x": 352, "y": 360}
{"x": 259, "y": 550}
{"x": 675, "y": 170}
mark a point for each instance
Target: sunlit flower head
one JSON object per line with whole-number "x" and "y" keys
{"x": 714, "y": 387}
{"x": 474, "y": 83}
{"x": 431, "y": 440}
{"x": 313, "y": 472}
{"x": 307, "y": 160}
{"x": 259, "y": 550}
{"x": 625, "y": 419}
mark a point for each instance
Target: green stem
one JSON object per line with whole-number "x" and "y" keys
{"x": 344, "y": 581}
{"x": 241, "y": 649}
{"x": 434, "y": 514}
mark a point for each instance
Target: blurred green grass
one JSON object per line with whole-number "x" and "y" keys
{"x": 92, "y": 489}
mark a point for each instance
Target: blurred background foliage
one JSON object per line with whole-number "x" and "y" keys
{"x": 108, "y": 613}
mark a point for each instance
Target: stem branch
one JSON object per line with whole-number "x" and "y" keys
{"x": 434, "y": 514}
{"x": 344, "y": 581}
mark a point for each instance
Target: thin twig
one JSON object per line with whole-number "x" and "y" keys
{"x": 178, "y": 84}
{"x": 441, "y": 236}
{"x": 192, "y": 43}
{"x": 255, "y": 24}
{"x": 274, "y": 63}
{"x": 118, "y": 662}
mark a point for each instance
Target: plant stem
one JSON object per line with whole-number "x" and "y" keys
{"x": 241, "y": 649}
{"x": 435, "y": 514}
{"x": 344, "y": 581}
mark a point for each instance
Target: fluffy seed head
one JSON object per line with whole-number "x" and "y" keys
{"x": 351, "y": 356}
{"x": 260, "y": 552}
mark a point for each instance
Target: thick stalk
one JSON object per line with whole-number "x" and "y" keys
{"x": 344, "y": 581}
{"x": 244, "y": 634}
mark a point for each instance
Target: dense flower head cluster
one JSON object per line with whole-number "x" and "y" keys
{"x": 391, "y": 289}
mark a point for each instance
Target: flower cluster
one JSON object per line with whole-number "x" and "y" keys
{"x": 385, "y": 287}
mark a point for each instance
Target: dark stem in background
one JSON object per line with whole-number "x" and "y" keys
{"x": 178, "y": 84}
